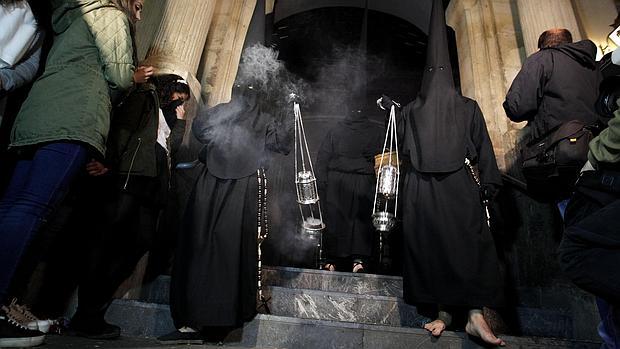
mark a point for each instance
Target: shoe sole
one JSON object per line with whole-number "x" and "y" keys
{"x": 181, "y": 341}
{"x": 93, "y": 336}
{"x": 21, "y": 342}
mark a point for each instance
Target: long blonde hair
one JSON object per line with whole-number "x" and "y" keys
{"x": 125, "y": 6}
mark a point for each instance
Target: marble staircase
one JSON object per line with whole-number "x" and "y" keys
{"x": 318, "y": 309}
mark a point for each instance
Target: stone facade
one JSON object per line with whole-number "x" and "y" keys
{"x": 202, "y": 40}
{"x": 495, "y": 36}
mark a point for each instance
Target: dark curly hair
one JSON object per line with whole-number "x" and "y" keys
{"x": 168, "y": 84}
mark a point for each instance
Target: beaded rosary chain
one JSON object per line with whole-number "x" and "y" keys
{"x": 262, "y": 231}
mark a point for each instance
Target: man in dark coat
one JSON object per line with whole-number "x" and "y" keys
{"x": 214, "y": 276}
{"x": 346, "y": 179}
{"x": 450, "y": 261}
{"x": 557, "y": 84}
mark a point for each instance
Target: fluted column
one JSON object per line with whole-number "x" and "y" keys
{"x": 488, "y": 61}
{"x": 180, "y": 38}
{"x": 536, "y": 16}
{"x": 222, "y": 51}
{"x": 595, "y": 19}
{"x": 147, "y": 28}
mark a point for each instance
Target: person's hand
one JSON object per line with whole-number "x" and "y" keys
{"x": 143, "y": 73}
{"x": 180, "y": 112}
{"x": 96, "y": 168}
{"x": 386, "y": 103}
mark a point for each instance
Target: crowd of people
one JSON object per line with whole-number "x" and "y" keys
{"x": 96, "y": 137}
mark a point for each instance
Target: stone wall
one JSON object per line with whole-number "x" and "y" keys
{"x": 202, "y": 42}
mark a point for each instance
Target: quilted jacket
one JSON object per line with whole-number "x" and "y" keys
{"x": 89, "y": 66}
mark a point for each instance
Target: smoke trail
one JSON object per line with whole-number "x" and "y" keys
{"x": 343, "y": 82}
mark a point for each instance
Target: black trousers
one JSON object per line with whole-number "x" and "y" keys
{"x": 590, "y": 249}
{"x": 127, "y": 230}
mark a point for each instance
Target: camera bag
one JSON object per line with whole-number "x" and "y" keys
{"x": 558, "y": 156}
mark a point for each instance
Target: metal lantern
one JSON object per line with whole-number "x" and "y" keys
{"x": 388, "y": 174}
{"x": 388, "y": 181}
{"x": 312, "y": 224}
{"x": 383, "y": 221}
{"x": 306, "y": 188}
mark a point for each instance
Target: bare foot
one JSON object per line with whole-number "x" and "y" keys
{"x": 435, "y": 327}
{"x": 358, "y": 267}
{"x": 478, "y": 327}
{"x": 329, "y": 267}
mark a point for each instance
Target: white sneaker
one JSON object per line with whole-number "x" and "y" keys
{"x": 22, "y": 314}
{"x": 15, "y": 335}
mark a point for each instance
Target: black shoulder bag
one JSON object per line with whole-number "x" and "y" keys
{"x": 558, "y": 156}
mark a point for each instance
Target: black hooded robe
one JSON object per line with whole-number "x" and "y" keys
{"x": 214, "y": 278}
{"x": 449, "y": 253}
{"x": 345, "y": 171}
{"x": 450, "y": 257}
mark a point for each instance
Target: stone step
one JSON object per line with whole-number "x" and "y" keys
{"x": 346, "y": 307}
{"x": 333, "y": 281}
{"x": 393, "y": 311}
{"x": 365, "y": 298}
{"x": 272, "y": 331}
{"x": 298, "y": 278}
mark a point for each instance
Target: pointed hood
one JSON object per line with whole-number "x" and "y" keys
{"x": 437, "y": 69}
{"x": 437, "y": 143}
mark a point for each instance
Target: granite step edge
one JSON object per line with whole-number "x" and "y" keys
{"x": 320, "y": 272}
{"x": 315, "y": 292}
{"x": 538, "y": 341}
{"x": 271, "y": 320}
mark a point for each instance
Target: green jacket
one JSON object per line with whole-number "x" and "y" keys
{"x": 90, "y": 64}
{"x": 605, "y": 148}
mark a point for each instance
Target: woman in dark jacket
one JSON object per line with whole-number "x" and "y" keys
{"x": 130, "y": 194}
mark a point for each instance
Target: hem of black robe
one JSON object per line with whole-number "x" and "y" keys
{"x": 215, "y": 324}
{"x": 469, "y": 303}
{"x": 350, "y": 255}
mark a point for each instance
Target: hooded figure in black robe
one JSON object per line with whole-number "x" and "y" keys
{"x": 214, "y": 278}
{"x": 346, "y": 178}
{"x": 450, "y": 259}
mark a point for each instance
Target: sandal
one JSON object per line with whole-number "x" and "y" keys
{"x": 358, "y": 266}
{"x": 329, "y": 267}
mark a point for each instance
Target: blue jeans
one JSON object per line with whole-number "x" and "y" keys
{"x": 562, "y": 207}
{"x": 37, "y": 187}
{"x": 609, "y": 328}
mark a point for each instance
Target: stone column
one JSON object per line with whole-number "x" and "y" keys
{"x": 180, "y": 38}
{"x": 596, "y": 19}
{"x": 488, "y": 61}
{"x": 270, "y": 4}
{"x": 536, "y": 16}
{"x": 223, "y": 49}
{"x": 147, "y": 28}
